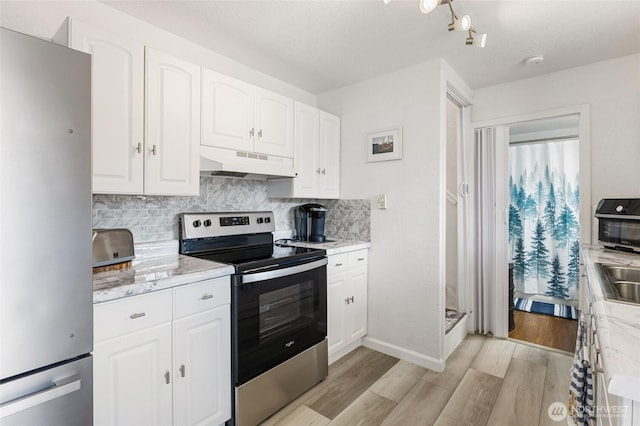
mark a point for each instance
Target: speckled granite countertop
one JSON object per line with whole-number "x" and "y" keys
{"x": 618, "y": 326}
{"x": 155, "y": 268}
{"x": 332, "y": 247}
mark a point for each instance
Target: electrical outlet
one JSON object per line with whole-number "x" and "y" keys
{"x": 382, "y": 201}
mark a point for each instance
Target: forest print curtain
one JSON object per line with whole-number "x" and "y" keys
{"x": 543, "y": 218}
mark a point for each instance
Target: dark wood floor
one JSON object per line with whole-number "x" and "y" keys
{"x": 545, "y": 330}
{"x": 486, "y": 382}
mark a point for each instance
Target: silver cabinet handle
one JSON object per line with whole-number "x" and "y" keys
{"x": 181, "y": 369}
{"x": 154, "y": 151}
{"x": 324, "y": 171}
{"x": 251, "y": 132}
{"x": 167, "y": 377}
{"x": 137, "y": 315}
{"x": 60, "y": 388}
{"x": 346, "y": 301}
{"x": 318, "y": 171}
{"x": 351, "y": 298}
{"x": 360, "y": 259}
{"x": 338, "y": 264}
{"x": 139, "y": 148}
{"x": 206, "y": 296}
{"x": 260, "y": 134}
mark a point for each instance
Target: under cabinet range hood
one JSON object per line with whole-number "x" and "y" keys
{"x": 243, "y": 164}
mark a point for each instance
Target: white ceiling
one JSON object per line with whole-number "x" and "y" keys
{"x": 321, "y": 45}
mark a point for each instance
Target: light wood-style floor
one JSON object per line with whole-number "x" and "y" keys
{"x": 545, "y": 330}
{"x": 486, "y": 381}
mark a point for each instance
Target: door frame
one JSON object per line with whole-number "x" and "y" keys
{"x": 586, "y": 209}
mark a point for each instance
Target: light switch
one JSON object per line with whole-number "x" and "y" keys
{"x": 382, "y": 201}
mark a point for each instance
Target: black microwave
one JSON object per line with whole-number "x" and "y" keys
{"x": 619, "y": 223}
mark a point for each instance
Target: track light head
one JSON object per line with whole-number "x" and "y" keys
{"x": 480, "y": 40}
{"x": 427, "y": 6}
{"x": 460, "y": 24}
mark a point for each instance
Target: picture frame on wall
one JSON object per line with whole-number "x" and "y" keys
{"x": 384, "y": 145}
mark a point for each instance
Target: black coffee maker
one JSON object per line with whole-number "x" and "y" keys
{"x": 310, "y": 222}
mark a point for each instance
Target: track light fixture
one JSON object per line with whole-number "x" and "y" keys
{"x": 480, "y": 40}
{"x": 462, "y": 23}
{"x": 458, "y": 24}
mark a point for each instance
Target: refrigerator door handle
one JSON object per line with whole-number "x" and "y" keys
{"x": 59, "y": 388}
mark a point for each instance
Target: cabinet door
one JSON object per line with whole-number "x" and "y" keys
{"x": 357, "y": 306}
{"x": 227, "y": 112}
{"x": 117, "y": 97}
{"x": 329, "y": 186}
{"x": 132, "y": 378}
{"x": 273, "y": 123}
{"x": 336, "y": 311}
{"x": 202, "y": 367}
{"x": 173, "y": 125}
{"x": 305, "y": 159}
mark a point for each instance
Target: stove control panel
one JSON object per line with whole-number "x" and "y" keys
{"x": 205, "y": 225}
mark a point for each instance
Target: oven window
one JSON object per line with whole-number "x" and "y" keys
{"x": 620, "y": 232}
{"x": 286, "y": 308}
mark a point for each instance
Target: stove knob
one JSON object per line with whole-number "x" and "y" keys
{"x": 259, "y": 220}
{"x": 196, "y": 224}
{"x": 207, "y": 222}
{"x": 267, "y": 220}
{"x": 619, "y": 209}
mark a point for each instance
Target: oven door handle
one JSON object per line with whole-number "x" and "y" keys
{"x": 277, "y": 273}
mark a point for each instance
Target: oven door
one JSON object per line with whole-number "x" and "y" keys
{"x": 619, "y": 233}
{"x": 277, "y": 314}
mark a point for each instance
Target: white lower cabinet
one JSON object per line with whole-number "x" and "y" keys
{"x": 163, "y": 358}
{"x": 346, "y": 302}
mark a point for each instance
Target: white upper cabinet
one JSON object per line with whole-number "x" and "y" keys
{"x": 316, "y": 156}
{"x": 242, "y": 117}
{"x": 274, "y": 124}
{"x": 329, "y": 162}
{"x": 307, "y": 150}
{"x": 145, "y": 115}
{"x": 227, "y": 112}
{"x": 117, "y": 97}
{"x": 172, "y": 125}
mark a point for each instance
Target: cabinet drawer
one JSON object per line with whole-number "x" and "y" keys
{"x": 337, "y": 263}
{"x": 358, "y": 258}
{"x": 194, "y": 298}
{"x": 117, "y": 317}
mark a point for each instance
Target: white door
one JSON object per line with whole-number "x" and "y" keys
{"x": 329, "y": 186}
{"x": 227, "y": 112}
{"x": 117, "y": 97}
{"x": 202, "y": 388}
{"x": 132, "y": 379}
{"x": 306, "y": 154}
{"x": 273, "y": 124}
{"x": 173, "y": 125}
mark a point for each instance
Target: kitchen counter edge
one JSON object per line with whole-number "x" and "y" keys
{"x": 618, "y": 326}
{"x": 150, "y": 274}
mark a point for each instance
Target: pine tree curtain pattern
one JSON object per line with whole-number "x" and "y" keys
{"x": 543, "y": 218}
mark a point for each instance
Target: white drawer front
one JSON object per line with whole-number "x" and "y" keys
{"x": 358, "y": 258}
{"x": 193, "y": 298}
{"x": 122, "y": 316}
{"x": 337, "y": 263}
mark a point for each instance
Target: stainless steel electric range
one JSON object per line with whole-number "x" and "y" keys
{"x": 278, "y": 308}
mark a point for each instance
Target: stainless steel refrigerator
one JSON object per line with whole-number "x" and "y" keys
{"x": 46, "y": 311}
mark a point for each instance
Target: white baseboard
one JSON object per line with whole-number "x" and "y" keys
{"x": 334, "y": 356}
{"x": 456, "y": 335}
{"x": 405, "y": 354}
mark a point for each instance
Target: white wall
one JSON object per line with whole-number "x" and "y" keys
{"x": 43, "y": 18}
{"x": 611, "y": 88}
{"x": 405, "y": 295}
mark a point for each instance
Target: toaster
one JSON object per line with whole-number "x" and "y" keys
{"x": 112, "y": 246}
